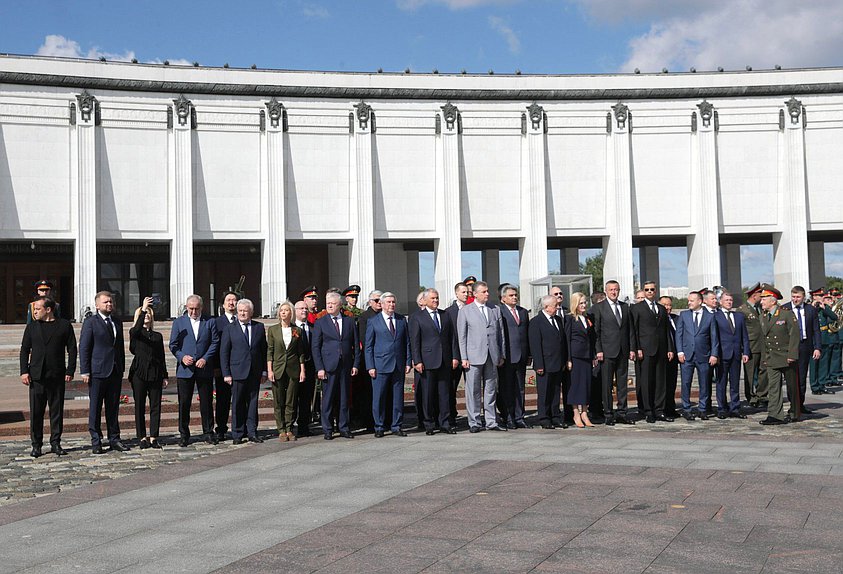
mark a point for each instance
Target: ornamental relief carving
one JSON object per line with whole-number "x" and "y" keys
{"x": 34, "y": 111}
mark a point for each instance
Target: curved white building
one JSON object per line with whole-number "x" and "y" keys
{"x": 151, "y": 178}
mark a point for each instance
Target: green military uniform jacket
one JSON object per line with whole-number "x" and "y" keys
{"x": 284, "y": 358}
{"x": 753, "y": 326}
{"x": 826, "y": 317}
{"x": 781, "y": 338}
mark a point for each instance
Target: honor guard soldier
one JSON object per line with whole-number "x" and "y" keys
{"x": 827, "y": 338}
{"x": 311, "y": 298}
{"x": 44, "y": 288}
{"x": 836, "y": 375}
{"x": 350, "y": 295}
{"x": 781, "y": 354}
{"x": 469, "y": 282}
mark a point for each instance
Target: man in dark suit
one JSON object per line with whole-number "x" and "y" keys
{"x": 516, "y": 346}
{"x": 595, "y": 402}
{"x": 387, "y": 351}
{"x": 243, "y": 361}
{"x": 43, "y": 369}
{"x": 672, "y": 368}
{"x": 698, "y": 347}
{"x": 194, "y": 342}
{"x": 810, "y": 342}
{"x": 781, "y": 354}
{"x": 102, "y": 360}
{"x": 433, "y": 346}
{"x": 223, "y": 404}
{"x": 650, "y": 338}
{"x": 734, "y": 353}
{"x": 374, "y": 308}
{"x": 611, "y": 326}
{"x": 453, "y": 311}
{"x": 550, "y": 356}
{"x": 307, "y": 387}
{"x": 336, "y": 356}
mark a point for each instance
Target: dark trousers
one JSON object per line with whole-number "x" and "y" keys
{"x": 566, "y": 411}
{"x": 418, "y": 398}
{"x": 223, "y": 404}
{"x": 142, "y": 390}
{"x": 671, "y": 373}
{"x": 436, "y": 392}
{"x": 244, "y": 408}
{"x": 729, "y": 377}
{"x": 104, "y": 391}
{"x": 510, "y": 401}
{"x": 335, "y": 391}
{"x": 548, "y": 386}
{"x": 42, "y": 393}
{"x": 652, "y": 385}
{"x": 381, "y": 384}
{"x": 703, "y": 370}
{"x": 750, "y": 375}
{"x": 804, "y": 363}
{"x": 615, "y": 370}
{"x": 304, "y": 400}
{"x": 456, "y": 374}
{"x": 206, "y": 404}
{"x": 595, "y": 404}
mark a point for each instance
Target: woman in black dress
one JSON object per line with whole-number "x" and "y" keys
{"x": 148, "y": 373}
{"x": 579, "y": 332}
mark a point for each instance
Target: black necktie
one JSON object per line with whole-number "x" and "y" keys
{"x": 653, "y": 308}
{"x": 435, "y": 316}
{"x": 731, "y": 324}
{"x": 618, "y": 313}
{"x": 248, "y": 340}
{"x": 391, "y": 326}
{"x": 110, "y": 326}
{"x": 697, "y": 319}
{"x": 337, "y": 326}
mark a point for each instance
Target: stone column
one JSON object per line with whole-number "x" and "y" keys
{"x": 492, "y": 271}
{"x": 648, "y": 261}
{"x": 790, "y": 245}
{"x": 447, "y": 249}
{"x": 730, "y": 269}
{"x": 532, "y": 248}
{"x": 704, "y": 242}
{"x": 617, "y": 246}
{"x": 816, "y": 264}
{"x": 362, "y": 244}
{"x": 181, "y": 251}
{"x": 274, "y": 253}
{"x": 85, "y": 118}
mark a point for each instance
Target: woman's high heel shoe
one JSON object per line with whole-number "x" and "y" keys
{"x": 586, "y": 421}
{"x": 578, "y": 420}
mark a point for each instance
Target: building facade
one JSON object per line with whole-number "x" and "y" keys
{"x": 146, "y": 178}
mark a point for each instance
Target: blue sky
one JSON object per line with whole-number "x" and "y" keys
{"x": 535, "y": 36}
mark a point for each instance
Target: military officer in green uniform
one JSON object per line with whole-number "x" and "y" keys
{"x": 781, "y": 354}
{"x": 819, "y": 371}
{"x": 754, "y": 373}
{"x": 351, "y": 294}
{"x": 836, "y": 375}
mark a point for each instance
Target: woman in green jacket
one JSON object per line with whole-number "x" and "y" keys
{"x": 285, "y": 359}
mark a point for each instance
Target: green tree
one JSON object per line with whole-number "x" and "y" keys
{"x": 832, "y": 281}
{"x": 594, "y": 266}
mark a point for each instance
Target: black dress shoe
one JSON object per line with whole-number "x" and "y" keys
{"x": 651, "y": 419}
{"x": 511, "y": 426}
{"x": 721, "y": 416}
{"x": 399, "y": 432}
{"x": 773, "y": 421}
{"x": 57, "y": 450}
{"x": 36, "y": 452}
{"x": 430, "y": 432}
{"x": 688, "y": 416}
{"x": 523, "y": 425}
{"x": 703, "y": 416}
{"x": 498, "y": 428}
{"x": 806, "y": 411}
{"x": 255, "y": 439}
{"x": 156, "y": 444}
{"x": 211, "y": 438}
{"x": 451, "y": 430}
{"x": 220, "y": 437}
{"x": 378, "y": 434}
{"x": 665, "y": 418}
{"x": 329, "y": 436}
{"x": 183, "y": 442}
{"x": 143, "y": 444}
{"x": 234, "y": 441}
{"x": 97, "y": 449}
{"x": 609, "y": 422}
{"x": 346, "y": 434}
{"x": 475, "y": 429}
{"x": 119, "y": 446}
{"x": 624, "y": 421}
{"x": 548, "y": 426}
{"x": 737, "y": 415}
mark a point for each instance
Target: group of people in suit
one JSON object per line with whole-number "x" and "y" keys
{"x": 350, "y": 360}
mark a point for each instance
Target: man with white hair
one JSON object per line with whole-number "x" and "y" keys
{"x": 243, "y": 363}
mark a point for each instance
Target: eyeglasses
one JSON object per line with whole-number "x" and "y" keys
{"x": 375, "y": 300}
{"x": 649, "y": 290}
{"x": 556, "y": 294}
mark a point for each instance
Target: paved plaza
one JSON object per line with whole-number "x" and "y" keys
{"x": 682, "y": 497}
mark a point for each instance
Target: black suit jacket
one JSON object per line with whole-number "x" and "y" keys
{"x": 610, "y": 339}
{"x": 101, "y": 353}
{"x": 43, "y": 356}
{"x": 362, "y": 323}
{"x": 453, "y": 312}
{"x": 649, "y": 332}
{"x": 430, "y": 347}
{"x": 812, "y": 324}
{"x": 148, "y": 350}
{"x": 547, "y": 343}
{"x": 516, "y": 344}
{"x": 580, "y": 339}
{"x": 240, "y": 360}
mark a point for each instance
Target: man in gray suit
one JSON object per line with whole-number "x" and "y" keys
{"x": 480, "y": 336}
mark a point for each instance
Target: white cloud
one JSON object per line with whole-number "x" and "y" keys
{"x": 55, "y": 45}
{"x": 453, "y": 4}
{"x": 759, "y": 33}
{"x": 172, "y": 61}
{"x": 500, "y": 26}
{"x": 315, "y": 11}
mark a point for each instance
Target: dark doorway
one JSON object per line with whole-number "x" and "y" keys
{"x": 132, "y": 271}
{"x": 219, "y": 266}
{"x": 24, "y": 263}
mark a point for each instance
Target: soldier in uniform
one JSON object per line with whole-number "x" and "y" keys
{"x": 310, "y": 296}
{"x": 781, "y": 354}
{"x": 44, "y": 288}
{"x": 754, "y": 373}
{"x": 836, "y": 375}
{"x": 819, "y": 385}
{"x": 469, "y": 282}
{"x": 351, "y": 294}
